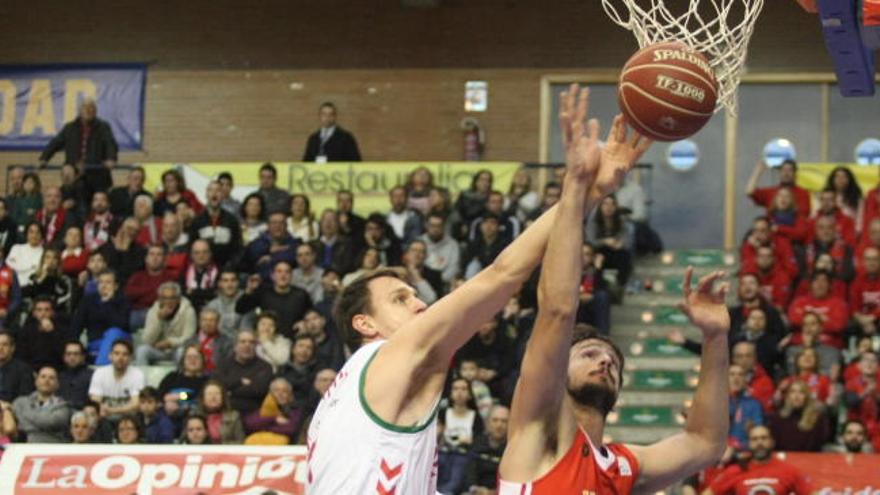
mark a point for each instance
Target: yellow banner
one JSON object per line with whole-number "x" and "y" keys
{"x": 369, "y": 181}
{"x": 814, "y": 176}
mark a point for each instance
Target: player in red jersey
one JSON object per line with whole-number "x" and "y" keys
{"x": 565, "y": 391}
{"x": 763, "y": 474}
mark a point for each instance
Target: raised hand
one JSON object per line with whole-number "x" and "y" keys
{"x": 579, "y": 136}
{"x": 621, "y": 152}
{"x": 705, "y": 306}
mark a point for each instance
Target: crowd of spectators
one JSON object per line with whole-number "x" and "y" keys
{"x": 804, "y": 340}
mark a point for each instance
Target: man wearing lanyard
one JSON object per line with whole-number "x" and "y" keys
{"x": 331, "y": 143}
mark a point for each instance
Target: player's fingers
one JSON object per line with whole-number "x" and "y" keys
{"x": 723, "y": 290}
{"x": 564, "y": 119}
{"x": 686, "y": 284}
{"x": 593, "y": 129}
{"x": 621, "y": 128}
{"x": 613, "y": 130}
{"x": 583, "y": 103}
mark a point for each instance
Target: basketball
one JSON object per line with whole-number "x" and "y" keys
{"x": 667, "y": 91}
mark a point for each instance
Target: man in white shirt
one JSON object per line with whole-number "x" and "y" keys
{"x": 444, "y": 253}
{"x": 117, "y": 385}
{"x": 406, "y": 222}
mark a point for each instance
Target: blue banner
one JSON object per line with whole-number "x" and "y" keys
{"x": 36, "y": 101}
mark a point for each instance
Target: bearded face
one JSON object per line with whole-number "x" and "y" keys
{"x": 594, "y": 378}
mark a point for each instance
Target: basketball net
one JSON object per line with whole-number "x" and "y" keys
{"x": 721, "y": 32}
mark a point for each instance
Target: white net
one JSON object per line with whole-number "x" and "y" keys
{"x": 719, "y": 29}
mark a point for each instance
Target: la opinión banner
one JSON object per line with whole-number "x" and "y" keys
{"x": 28, "y": 469}
{"x": 36, "y": 101}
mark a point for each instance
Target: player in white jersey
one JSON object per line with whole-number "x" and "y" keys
{"x": 375, "y": 429}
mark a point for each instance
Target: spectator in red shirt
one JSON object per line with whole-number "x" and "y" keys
{"x": 774, "y": 474}
{"x": 832, "y": 310}
{"x": 787, "y": 178}
{"x": 150, "y": 231}
{"x": 844, "y": 226}
{"x": 848, "y": 194}
{"x": 99, "y": 224}
{"x": 176, "y": 243}
{"x": 807, "y": 371}
{"x": 864, "y": 293}
{"x": 862, "y": 395}
{"x": 787, "y": 220}
{"x": 761, "y": 234}
{"x": 869, "y": 238}
{"x": 800, "y": 425}
{"x": 142, "y": 287}
{"x": 760, "y": 384}
{"x": 825, "y": 241}
{"x": 872, "y": 208}
{"x": 174, "y": 192}
{"x": 776, "y": 283}
{"x": 74, "y": 257}
{"x": 823, "y": 263}
{"x": 811, "y": 332}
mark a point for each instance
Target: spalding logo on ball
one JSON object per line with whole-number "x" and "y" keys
{"x": 667, "y": 91}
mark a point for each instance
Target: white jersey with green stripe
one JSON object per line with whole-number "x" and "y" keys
{"x": 354, "y": 452}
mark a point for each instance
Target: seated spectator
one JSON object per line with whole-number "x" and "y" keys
{"x": 441, "y": 204}
{"x": 811, "y": 338}
{"x": 73, "y": 193}
{"x": 482, "y": 473}
{"x": 279, "y": 418}
{"x": 368, "y": 260}
{"x": 351, "y": 224}
{"x": 24, "y": 258}
{"x": 823, "y": 263}
{"x": 104, "y": 316}
{"x": 482, "y": 251}
{"x": 156, "y": 425}
{"x": 245, "y": 375}
{"x": 800, "y": 425}
{"x": 76, "y": 375}
{"x": 142, "y": 288}
{"x": 864, "y": 293}
{"x": 332, "y": 285}
{"x": 761, "y": 468}
{"x": 323, "y": 379}
{"x": 74, "y": 256}
{"x": 471, "y": 203}
{"x": 299, "y": 370}
{"x": 379, "y": 236}
{"x": 594, "y": 307}
{"x": 469, "y": 369}
{"x": 521, "y": 201}
{"x": 87, "y": 281}
{"x": 48, "y": 280}
{"x": 8, "y": 425}
{"x": 509, "y": 226}
{"x": 776, "y": 282}
{"x": 848, "y": 194}
{"x": 760, "y": 385}
{"x": 612, "y": 236}
{"x": 103, "y": 429}
{"x": 171, "y": 321}
{"x": 116, "y": 386}
{"x": 213, "y": 345}
{"x": 253, "y": 218}
{"x": 870, "y": 239}
{"x": 844, "y": 225}
{"x": 443, "y": 252}
{"x": 406, "y": 223}
{"x": 336, "y": 251}
{"x": 8, "y": 227}
{"x": 174, "y": 192}
{"x": 807, "y": 372}
{"x": 224, "y": 422}
{"x": 122, "y": 197}
{"x": 786, "y": 219}
{"x": 754, "y": 330}
{"x": 329, "y": 351}
{"x": 852, "y": 368}
{"x": 427, "y": 281}
{"x": 825, "y": 241}
{"x": 763, "y": 196}
{"x": 185, "y": 214}
{"x": 276, "y": 199}
{"x": 42, "y": 337}
{"x": 463, "y": 425}
{"x": 128, "y": 431}
{"x": 862, "y": 395}
{"x": 149, "y": 225}
{"x": 761, "y": 234}
{"x": 492, "y": 348}
{"x": 302, "y": 224}
{"x": 187, "y": 380}
{"x": 99, "y": 223}
{"x": 227, "y": 184}
{"x": 217, "y": 226}
{"x": 272, "y": 247}
{"x": 745, "y": 411}
{"x": 307, "y": 275}
{"x": 54, "y": 219}
{"x": 287, "y": 301}
{"x": 552, "y": 193}
{"x": 853, "y": 440}
{"x": 195, "y": 431}
{"x": 42, "y": 416}
{"x": 176, "y": 243}
{"x": 24, "y": 205}
{"x": 123, "y": 253}
{"x": 81, "y": 428}
{"x": 199, "y": 279}
{"x": 271, "y": 347}
{"x": 418, "y": 189}
{"x": 10, "y": 291}
{"x": 832, "y": 310}
{"x": 16, "y": 376}
{"x": 228, "y": 294}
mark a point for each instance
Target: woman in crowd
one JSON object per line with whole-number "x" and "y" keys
{"x": 128, "y": 431}
{"x": 195, "y": 431}
{"x": 253, "y": 217}
{"x": 23, "y": 208}
{"x": 179, "y": 389}
{"x": 173, "y": 192}
{"x": 786, "y": 219}
{"x": 521, "y": 200}
{"x": 472, "y": 202}
{"x": 48, "y": 280}
{"x": 463, "y": 425}
{"x": 418, "y": 190}
{"x": 849, "y": 194}
{"x": 301, "y": 223}
{"x": 224, "y": 423}
{"x": 821, "y": 387}
{"x": 368, "y": 260}
{"x": 74, "y": 256}
{"x": 612, "y": 237}
{"x": 271, "y": 346}
{"x": 278, "y": 419}
{"x": 801, "y": 424}
{"x": 25, "y": 258}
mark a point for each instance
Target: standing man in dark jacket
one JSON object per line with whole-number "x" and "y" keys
{"x": 217, "y": 226}
{"x": 87, "y": 140}
{"x": 331, "y": 143}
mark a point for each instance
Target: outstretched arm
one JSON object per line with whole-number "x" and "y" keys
{"x": 759, "y": 170}
{"x": 703, "y": 440}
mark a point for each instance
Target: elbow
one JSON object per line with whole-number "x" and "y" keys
{"x": 555, "y": 305}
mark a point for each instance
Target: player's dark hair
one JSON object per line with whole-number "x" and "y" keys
{"x": 355, "y": 300}
{"x": 584, "y": 332}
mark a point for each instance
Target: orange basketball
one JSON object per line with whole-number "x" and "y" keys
{"x": 667, "y": 91}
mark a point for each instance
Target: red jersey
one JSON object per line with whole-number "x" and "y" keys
{"x": 774, "y": 477}
{"x": 872, "y": 208}
{"x": 775, "y": 286}
{"x": 761, "y": 388}
{"x": 820, "y": 385}
{"x": 860, "y": 252}
{"x": 832, "y": 310}
{"x": 782, "y": 251}
{"x": 585, "y": 469}
{"x": 864, "y": 295}
{"x": 7, "y": 282}
{"x": 844, "y": 226}
{"x": 838, "y": 289}
{"x": 764, "y": 197}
